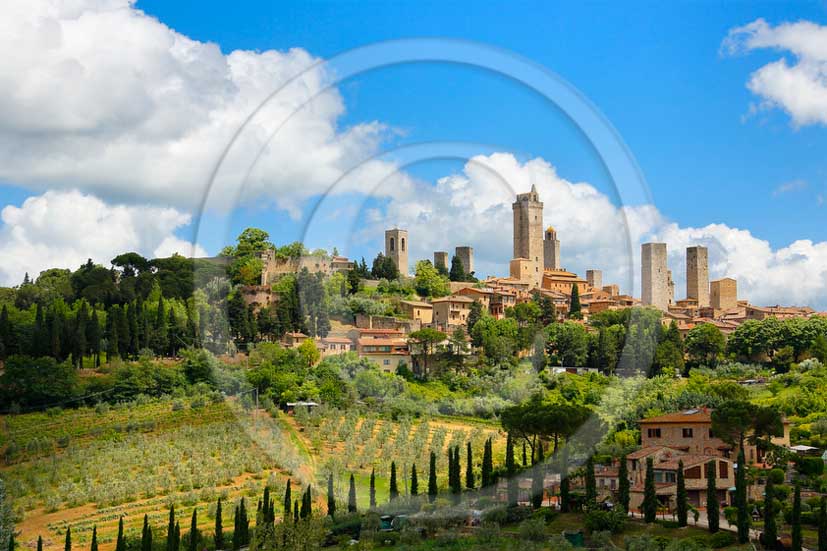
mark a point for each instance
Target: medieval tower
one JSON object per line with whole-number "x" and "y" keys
{"x": 396, "y": 247}
{"x": 551, "y": 250}
{"x": 441, "y": 260}
{"x": 654, "y": 276}
{"x": 528, "y": 232}
{"x": 466, "y": 257}
{"x": 697, "y": 275}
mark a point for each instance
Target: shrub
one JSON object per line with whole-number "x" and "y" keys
{"x": 598, "y": 521}
{"x": 721, "y": 539}
{"x": 533, "y": 529}
{"x": 777, "y": 476}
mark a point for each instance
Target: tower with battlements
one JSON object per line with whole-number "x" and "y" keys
{"x": 528, "y": 232}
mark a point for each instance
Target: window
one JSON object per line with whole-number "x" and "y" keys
{"x": 386, "y": 362}
{"x": 723, "y": 468}
{"x": 402, "y": 244}
{"x": 694, "y": 472}
{"x": 653, "y": 433}
{"x": 687, "y": 433}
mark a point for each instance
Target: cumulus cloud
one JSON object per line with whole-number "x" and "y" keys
{"x": 101, "y": 97}
{"x": 61, "y": 229}
{"x": 473, "y": 207}
{"x": 797, "y": 85}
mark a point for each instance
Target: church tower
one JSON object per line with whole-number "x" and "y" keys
{"x": 396, "y": 247}
{"x": 528, "y": 232}
{"x": 551, "y": 250}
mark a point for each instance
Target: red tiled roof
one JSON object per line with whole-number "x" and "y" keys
{"x": 700, "y": 415}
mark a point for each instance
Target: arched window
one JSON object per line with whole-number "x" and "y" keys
{"x": 402, "y": 244}
{"x": 392, "y": 244}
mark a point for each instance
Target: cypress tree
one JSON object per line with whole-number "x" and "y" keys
{"x": 591, "y": 483}
{"x": 177, "y": 541}
{"x": 455, "y": 475}
{"x": 306, "y": 509}
{"x": 650, "y": 498}
{"x": 93, "y": 547}
{"x": 171, "y": 529}
{"x": 236, "y": 542}
{"x": 432, "y": 487}
{"x": 67, "y": 544}
{"x": 268, "y": 514}
{"x": 565, "y": 495}
{"x": 538, "y": 478}
{"x": 414, "y": 481}
{"x": 511, "y": 471}
{"x": 682, "y": 497}
{"x": 331, "y": 498}
{"x": 713, "y": 512}
{"x": 394, "y": 490}
{"x": 372, "y": 488}
{"x": 146, "y": 535}
{"x": 351, "y": 496}
{"x": 40, "y": 541}
{"x": 795, "y": 521}
{"x": 219, "y": 527}
{"x": 120, "y": 544}
{"x": 244, "y": 524}
{"x": 469, "y": 467}
{"x": 194, "y": 535}
{"x": 574, "y": 305}
{"x": 296, "y": 510}
{"x": 11, "y": 538}
{"x": 525, "y": 458}
{"x": 822, "y": 525}
{"x": 288, "y": 501}
{"x": 487, "y": 465}
{"x": 741, "y": 498}
{"x": 623, "y": 484}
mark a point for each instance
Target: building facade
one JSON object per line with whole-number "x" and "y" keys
{"x": 723, "y": 294}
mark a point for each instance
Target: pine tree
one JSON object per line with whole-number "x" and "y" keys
{"x": 67, "y": 544}
{"x": 93, "y": 547}
{"x": 682, "y": 497}
{"x": 372, "y": 488}
{"x": 219, "y": 527}
{"x": 194, "y": 535}
{"x": 741, "y": 498}
{"x": 414, "y": 481}
{"x": 331, "y": 498}
{"x": 623, "y": 484}
{"x": 713, "y": 513}
{"x": 394, "y": 490}
{"x": 822, "y": 525}
{"x": 171, "y": 529}
{"x": 591, "y": 483}
{"x": 351, "y": 496}
{"x": 432, "y": 487}
{"x": 511, "y": 471}
{"x": 650, "y": 498}
{"x": 538, "y": 478}
{"x": 795, "y": 521}
{"x": 120, "y": 544}
{"x": 469, "y": 467}
{"x": 288, "y": 501}
{"x": 146, "y": 535}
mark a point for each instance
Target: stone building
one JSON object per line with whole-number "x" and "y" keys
{"x": 451, "y": 311}
{"x": 594, "y": 278}
{"x": 562, "y": 281}
{"x": 417, "y": 310}
{"x": 654, "y": 276}
{"x": 274, "y": 267}
{"x": 396, "y": 247}
{"x": 441, "y": 260}
{"x": 528, "y": 232}
{"x": 723, "y": 293}
{"x": 466, "y": 257}
{"x": 551, "y": 250}
{"x": 697, "y": 275}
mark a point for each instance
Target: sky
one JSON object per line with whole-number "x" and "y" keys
{"x": 147, "y": 126}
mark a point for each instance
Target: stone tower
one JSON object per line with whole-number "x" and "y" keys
{"x": 595, "y": 278}
{"x": 466, "y": 256}
{"x": 396, "y": 247}
{"x": 528, "y": 232}
{"x": 551, "y": 250}
{"x": 654, "y": 277}
{"x": 697, "y": 275}
{"x": 441, "y": 259}
{"x": 724, "y": 294}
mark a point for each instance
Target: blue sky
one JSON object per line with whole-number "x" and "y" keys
{"x": 121, "y": 115}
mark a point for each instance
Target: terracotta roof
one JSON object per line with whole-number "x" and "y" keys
{"x": 688, "y": 461}
{"x": 700, "y": 415}
{"x": 382, "y": 342}
{"x": 296, "y": 335}
{"x": 416, "y": 303}
{"x": 336, "y": 340}
{"x": 646, "y": 452}
{"x": 453, "y": 298}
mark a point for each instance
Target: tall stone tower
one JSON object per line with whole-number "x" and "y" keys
{"x": 595, "y": 278}
{"x": 654, "y": 276}
{"x": 697, "y": 275}
{"x": 466, "y": 256}
{"x": 528, "y": 232}
{"x": 396, "y": 247}
{"x": 551, "y": 250}
{"x": 441, "y": 259}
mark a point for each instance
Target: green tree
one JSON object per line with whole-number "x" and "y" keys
{"x": 538, "y": 478}
{"x": 475, "y": 313}
{"x": 432, "y": 487}
{"x": 373, "y": 488}
{"x": 713, "y": 508}
{"x": 195, "y": 535}
{"x": 705, "y": 344}
{"x": 120, "y": 543}
{"x": 288, "y": 501}
{"x": 457, "y": 272}
{"x": 146, "y": 535}
{"x": 591, "y": 483}
{"x": 741, "y": 498}
{"x": 423, "y": 343}
{"x": 770, "y": 526}
{"x": 469, "y": 467}
{"x": 331, "y": 497}
{"x": 218, "y": 536}
{"x": 650, "y": 498}
{"x": 243, "y": 524}
{"x": 565, "y": 493}
{"x": 567, "y": 344}
{"x": 487, "y": 465}
{"x": 428, "y": 282}
{"x": 511, "y": 471}
{"x": 574, "y": 303}
{"x": 414, "y": 481}
{"x": 822, "y": 525}
{"x": 67, "y": 543}
{"x": 351, "y": 496}
{"x": 92, "y": 547}
{"x": 623, "y": 484}
{"x": 384, "y": 268}
{"x": 394, "y": 490}
{"x": 795, "y": 520}
{"x": 682, "y": 497}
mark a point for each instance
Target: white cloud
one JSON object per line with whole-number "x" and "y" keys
{"x": 798, "y": 86}
{"x": 61, "y": 229}
{"x": 98, "y": 96}
{"x": 789, "y": 187}
{"x": 474, "y": 208}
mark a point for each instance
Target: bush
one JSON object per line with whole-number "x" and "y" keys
{"x": 721, "y": 539}
{"x": 777, "y": 476}
{"x": 507, "y": 515}
{"x": 598, "y": 521}
{"x": 533, "y": 529}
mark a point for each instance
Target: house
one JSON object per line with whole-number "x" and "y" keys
{"x": 293, "y": 339}
{"x": 333, "y": 346}
{"x": 451, "y": 311}
{"x": 386, "y": 347}
{"x": 416, "y": 310}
